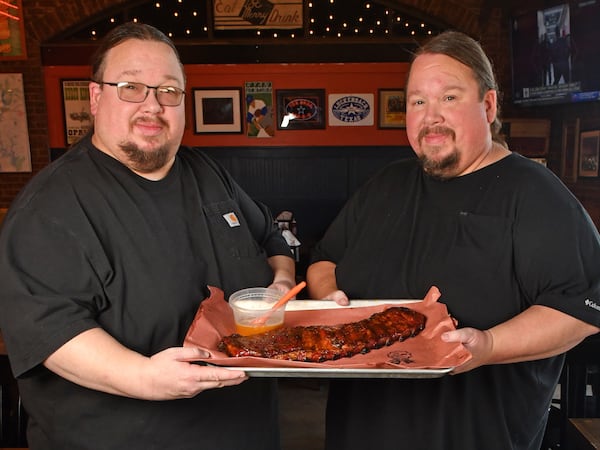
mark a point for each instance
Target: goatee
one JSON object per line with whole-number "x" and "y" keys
{"x": 439, "y": 169}
{"x": 145, "y": 161}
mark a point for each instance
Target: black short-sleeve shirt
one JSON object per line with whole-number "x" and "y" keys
{"x": 494, "y": 242}
{"x": 89, "y": 243}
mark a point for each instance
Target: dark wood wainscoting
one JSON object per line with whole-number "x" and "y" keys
{"x": 311, "y": 182}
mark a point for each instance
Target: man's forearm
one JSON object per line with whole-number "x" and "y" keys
{"x": 538, "y": 332}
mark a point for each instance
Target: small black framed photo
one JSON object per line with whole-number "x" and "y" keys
{"x": 589, "y": 146}
{"x": 217, "y": 110}
{"x": 300, "y": 109}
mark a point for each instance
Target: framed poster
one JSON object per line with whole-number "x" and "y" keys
{"x": 76, "y": 105}
{"x": 569, "y": 150}
{"x": 589, "y": 146}
{"x": 217, "y": 110}
{"x": 15, "y": 153}
{"x": 351, "y": 110}
{"x": 392, "y": 108}
{"x": 12, "y": 31}
{"x": 260, "y": 120}
{"x": 301, "y": 109}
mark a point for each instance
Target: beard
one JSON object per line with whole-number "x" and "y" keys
{"x": 146, "y": 161}
{"x": 441, "y": 169}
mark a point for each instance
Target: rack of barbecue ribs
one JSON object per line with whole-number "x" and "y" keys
{"x": 318, "y": 343}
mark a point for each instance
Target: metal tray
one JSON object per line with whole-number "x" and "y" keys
{"x": 309, "y": 372}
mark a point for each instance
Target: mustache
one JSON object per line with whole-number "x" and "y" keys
{"x": 435, "y": 130}
{"x": 150, "y": 121}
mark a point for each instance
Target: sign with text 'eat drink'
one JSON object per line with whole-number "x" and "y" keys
{"x": 257, "y": 14}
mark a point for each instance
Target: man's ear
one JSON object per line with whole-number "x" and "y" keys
{"x": 95, "y": 93}
{"x": 490, "y": 100}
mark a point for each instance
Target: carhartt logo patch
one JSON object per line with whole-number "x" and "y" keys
{"x": 231, "y": 219}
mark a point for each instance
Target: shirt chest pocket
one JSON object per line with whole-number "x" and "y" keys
{"x": 479, "y": 251}
{"x": 229, "y": 229}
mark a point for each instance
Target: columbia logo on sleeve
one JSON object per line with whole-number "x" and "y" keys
{"x": 592, "y": 304}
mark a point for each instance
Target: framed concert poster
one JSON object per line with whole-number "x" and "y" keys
{"x": 76, "y": 105}
{"x": 392, "y": 108}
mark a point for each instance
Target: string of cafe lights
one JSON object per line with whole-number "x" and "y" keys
{"x": 333, "y": 19}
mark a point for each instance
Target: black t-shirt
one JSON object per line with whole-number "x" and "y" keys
{"x": 88, "y": 243}
{"x": 494, "y": 242}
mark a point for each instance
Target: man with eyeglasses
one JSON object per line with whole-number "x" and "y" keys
{"x": 104, "y": 259}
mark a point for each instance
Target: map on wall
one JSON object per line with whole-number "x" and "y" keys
{"x": 15, "y": 154}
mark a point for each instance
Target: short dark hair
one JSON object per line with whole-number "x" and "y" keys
{"x": 122, "y": 33}
{"x": 469, "y": 52}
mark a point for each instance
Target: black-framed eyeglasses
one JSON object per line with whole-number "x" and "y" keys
{"x": 132, "y": 92}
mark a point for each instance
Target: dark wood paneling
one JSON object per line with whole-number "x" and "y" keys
{"x": 311, "y": 182}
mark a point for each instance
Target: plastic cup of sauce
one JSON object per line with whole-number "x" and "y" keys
{"x": 249, "y": 305}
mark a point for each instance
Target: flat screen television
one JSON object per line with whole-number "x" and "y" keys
{"x": 556, "y": 54}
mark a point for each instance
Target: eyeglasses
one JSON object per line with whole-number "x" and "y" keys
{"x": 129, "y": 91}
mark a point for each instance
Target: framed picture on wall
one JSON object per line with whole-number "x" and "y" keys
{"x": 15, "y": 151}
{"x": 392, "y": 108}
{"x": 76, "y": 106}
{"x": 217, "y": 110}
{"x": 569, "y": 150}
{"x": 589, "y": 146}
{"x": 301, "y": 109}
{"x": 12, "y": 31}
{"x": 259, "y": 110}
{"x": 351, "y": 110}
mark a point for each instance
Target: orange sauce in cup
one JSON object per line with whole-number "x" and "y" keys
{"x": 247, "y": 330}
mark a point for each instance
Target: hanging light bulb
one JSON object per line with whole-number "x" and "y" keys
{"x": 325, "y": 18}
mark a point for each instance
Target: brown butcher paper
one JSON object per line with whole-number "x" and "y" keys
{"x": 214, "y": 319}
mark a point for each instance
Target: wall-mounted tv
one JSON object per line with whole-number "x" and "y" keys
{"x": 556, "y": 54}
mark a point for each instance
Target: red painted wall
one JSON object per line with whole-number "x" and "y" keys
{"x": 345, "y": 78}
